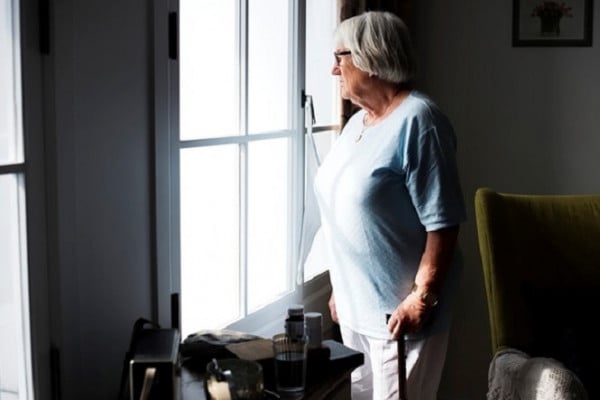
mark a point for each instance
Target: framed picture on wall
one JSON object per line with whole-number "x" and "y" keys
{"x": 552, "y": 22}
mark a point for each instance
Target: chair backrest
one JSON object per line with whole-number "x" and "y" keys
{"x": 541, "y": 264}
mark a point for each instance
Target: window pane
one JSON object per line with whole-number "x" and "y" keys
{"x": 210, "y": 279}
{"x": 10, "y": 96}
{"x": 209, "y": 77}
{"x": 14, "y": 325}
{"x": 268, "y": 221}
{"x": 268, "y": 65}
{"x": 320, "y": 24}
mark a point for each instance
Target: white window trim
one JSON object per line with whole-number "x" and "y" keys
{"x": 167, "y": 147}
{"x": 31, "y": 87}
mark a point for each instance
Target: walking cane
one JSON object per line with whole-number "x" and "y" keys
{"x": 401, "y": 343}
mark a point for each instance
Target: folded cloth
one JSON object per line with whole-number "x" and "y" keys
{"x": 503, "y": 374}
{"x": 202, "y": 346}
{"x": 514, "y": 375}
{"x": 547, "y": 379}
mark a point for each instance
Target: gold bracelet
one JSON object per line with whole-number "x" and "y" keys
{"x": 428, "y": 298}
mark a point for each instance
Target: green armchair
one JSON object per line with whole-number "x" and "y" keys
{"x": 541, "y": 265}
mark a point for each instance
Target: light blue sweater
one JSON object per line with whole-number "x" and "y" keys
{"x": 377, "y": 198}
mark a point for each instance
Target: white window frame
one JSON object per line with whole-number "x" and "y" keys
{"x": 167, "y": 148}
{"x": 31, "y": 87}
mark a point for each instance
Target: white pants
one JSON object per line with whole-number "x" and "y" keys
{"x": 377, "y": 378}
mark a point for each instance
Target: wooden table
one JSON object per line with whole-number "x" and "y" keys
{"x": 328, "y": 376}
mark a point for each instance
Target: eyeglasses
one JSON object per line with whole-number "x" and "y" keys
{"x": 339, "y": 54}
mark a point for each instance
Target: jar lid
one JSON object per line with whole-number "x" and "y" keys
{"x": 313, "y": 318}
{"x": 295, "y": 310}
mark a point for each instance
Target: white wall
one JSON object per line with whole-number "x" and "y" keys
{"x": 527, "y": 121}
{"x": 99, "y": 171}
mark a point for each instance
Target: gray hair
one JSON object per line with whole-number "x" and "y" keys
{"x": 380, "y": 44}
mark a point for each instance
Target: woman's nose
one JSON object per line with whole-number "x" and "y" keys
{"x": 336, "y": 69}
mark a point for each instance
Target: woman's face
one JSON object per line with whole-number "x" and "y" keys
{"x": 352, "y": 80}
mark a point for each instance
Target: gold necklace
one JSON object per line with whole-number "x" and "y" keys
{"x": 362, "y": 131}
{"x": 360, "y": 135}
{"x": 392, "y": 106}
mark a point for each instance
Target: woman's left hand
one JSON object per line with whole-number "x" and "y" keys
{"x": 409, "y": 316}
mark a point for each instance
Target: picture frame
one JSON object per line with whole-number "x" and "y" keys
{"x": 552, "y": 22}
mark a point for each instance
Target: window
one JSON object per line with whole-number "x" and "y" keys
{"x": 238, "y": 158}
{"x": 15, "y": 364}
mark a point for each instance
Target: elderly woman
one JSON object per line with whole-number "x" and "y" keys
{"x": 391, "y": 205}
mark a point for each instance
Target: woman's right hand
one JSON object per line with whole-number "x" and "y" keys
{"x": 332, "y": 310}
